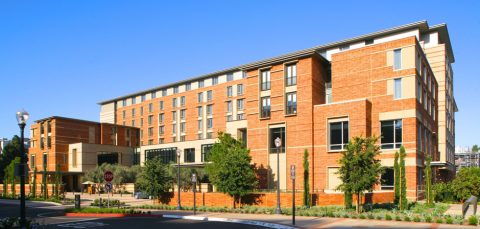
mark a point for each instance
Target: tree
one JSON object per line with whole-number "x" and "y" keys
{"x": 403, "y": 180}
{"x": 58, "y": 178}
{"x": 466, "y": 183}
{"x": 475, "y": 148}
{"x": 396, "y": 169}
{"x": 306, "y": 182}
{"x": 359, "y": 169}
{"x": 9, "y": 152}
{"x": 428, "y": 180}
{"x": 230, "y": 169}
{"x": 154, "y": 178}
{"x": 44, "y": 182}
{"x": 10, "y": 176}
{"x": 34, "y": 182}
{"x": 185, "y": 176}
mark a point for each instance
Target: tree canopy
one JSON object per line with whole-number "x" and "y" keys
{"x": 467, "y": 183}
{"x": 359, "y": 167}
{"x": 230, "y": 169}
{"x": 154, "y": 179}
{"x": 9, "y": 152}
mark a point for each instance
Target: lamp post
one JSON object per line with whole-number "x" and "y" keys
{"x": 22, "y": 117}
{"x": 179, "y": 207}
{"x": 194, "y": 181}
{"x": 293, "y": 176}
{"x": 278, "y": 144}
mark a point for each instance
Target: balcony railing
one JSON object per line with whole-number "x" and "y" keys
{"x": 265, "y": 86}
{"x": 265, "y": 113}
{"x": 291, "y": 80}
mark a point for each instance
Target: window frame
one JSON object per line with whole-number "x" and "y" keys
{"x": 291, "y": 109}
{"x": 265, "y": 113}
{"x": 265, "y": 80}
{"x": 343, "y": 121}
{"x": 395, "y": 144}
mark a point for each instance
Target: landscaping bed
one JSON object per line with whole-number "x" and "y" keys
{"x": 107, "y": 213}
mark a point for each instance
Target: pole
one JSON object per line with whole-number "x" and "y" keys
{"x": 179, "y": 207}
{"x": 293, "y": 201}
{"x": 278, "y": 210}
{"x": 22, "y": 177}
{"x": 194, "y": 198}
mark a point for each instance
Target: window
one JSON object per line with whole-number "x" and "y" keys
{"x": 391, "y": 134}
{"x": 141, "y": 111}
{"x": 206, "y": 151}
{"x": 387, "y": 179}
{"x": 209, "y": 135}
{"x": 153, "y": 95}
{"x": 32, "y": 161}
{"x": 209, "y": 95}
{"x": 167, "y": 155}
{"x": 107, "y": 157}
{"x": 164, "y": 92}
{"x": 124, "y": 102}
{"x": 150, "y": 119}
{"x": 189, "y": 155}
{"x": 124, "y": 114}
{"x": 333, "y": 178}
{"x": 188, "y": 86}
{"x": 344, "y": 47}
{"x": 141, "y": 122}
{"x": 161, "y": 140}
{"x": 182, "y": 101}
{"x": 328, "y": 92}
{"x": 244, "y": 74}
{"x": 133, "y": 123}
{"x": 174, "y": 116}
{"x": 200, "y": 111}
{"x": 200, "y": 136}
{"x": 161, "y": 130}
{"x": 229, "y": 118}
{"x": 200, "y": 125}
{"x": 209, "y": 123}
{"x": 134, "y": 100}
{"x": 161, "y": 105}
{"x": 161, "y": 118}
{"x": 45, "y": 161}
{"x": 150, "y": 107}
{"x": 397, "y": 59}
{"x": 291, "y": 75}
{"x": 175, "y": 90}
{"x": 369, "y": 42}
{"x": 265, "y": 80}
{"x": 229, "y": 106}
{"x": 150, "y": 132}
{"x": 265, "y": 107}
{"x": 239, "y": 89}
{"x": 174, "y": 102}
{"x": 229, "y": 77}
{"x": 201, "y": 83}
{"x": 274, "y": 133}
{"x": 143, "y": 98}
{"x": 240, "y": 103}
{"x": 182, "y": 127}
{"x": 200, "y": 97}
{"x": 419, "y": 91}
{"x": 425, "y": 99}
{"x": 338, "y": 134}
{"x": 182, "y": 138}
{"x": 397, "y": 88}
{"x": 240, "y": 116}
{"x": 209, "y": 109}
{"x": 229, "y": 91}
{"x": 133, "y": 112}
{"x": 215, "y": 80}
{"x": 150, "y": 141}
{"x": 174, "y": 128}
{"x": 291, "y": 103}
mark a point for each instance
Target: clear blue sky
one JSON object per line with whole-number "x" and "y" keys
{"x": 62, "y": 57}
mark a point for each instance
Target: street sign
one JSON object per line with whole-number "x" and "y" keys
{"x": 292, "y": 171}
{"x": 108, "y": 176}
{"x": 278, "y": 142}
{"x": 108, "y": 187}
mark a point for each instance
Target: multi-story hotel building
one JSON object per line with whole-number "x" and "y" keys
{"x": 396, "y": 84}
{"x": 77, "y": 146}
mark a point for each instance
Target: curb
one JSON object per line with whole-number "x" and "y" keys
{"x": 108, "y": 215}
{"x": 226, "y": 220}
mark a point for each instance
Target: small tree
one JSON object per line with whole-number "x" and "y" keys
{"x": 230, "y": 169}
{"x": 154, "y": 178}
{"x": 359, "y": 168}
{"x": 396, "y": 169}
{"x": 34, "y": 182}
{"x": 58, "y": 178}
{"x": 403, "y": 180}
{"x": 10, "y": 176}
{"x": 466, "y": 183}
{"x": 306, "y": 181}
{"x": 428, "y": 180}
{"x": 475, "y": 148}
{"x": 44, "y": 182}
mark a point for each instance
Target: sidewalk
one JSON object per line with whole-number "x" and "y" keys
{"x": 311, "y": 222}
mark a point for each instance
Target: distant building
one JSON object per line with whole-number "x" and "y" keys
{"x": 464, "y": 157}
{"x": 3, "y": 143}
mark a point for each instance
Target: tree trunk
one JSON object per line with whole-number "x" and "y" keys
{"x": 234, "y": 200}
{"x": 358, "y": 203}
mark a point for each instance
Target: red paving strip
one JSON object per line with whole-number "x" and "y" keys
{"x": 322, "y": 225}
{"x": 108, "y": 215}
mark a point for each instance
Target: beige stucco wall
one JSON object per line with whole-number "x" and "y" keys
{"x": 87, "y": 155}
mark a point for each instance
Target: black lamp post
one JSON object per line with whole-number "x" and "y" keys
{"x": 278, "y": 144}
{"x": 179, "y": 207}
{"x": 22, "y": 117}
{"x": 194, "y": 181}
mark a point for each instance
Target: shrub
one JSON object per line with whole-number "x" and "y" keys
{"x": 473, "y": 220}
{"x": 346, "y": 215}
{"x": 379, "y": 217}
{"x": 388, "y": 217}
{"x": 370, "y": 216}
{"x": 416, "y": 219}
{"x": 449, "y": 220}
{"x": 398, "y": 218}
{"x": 406, "y": 218}
{"x": 428, "y": 219}
{"x": 443, "y": 192}
{"x": 354, "y": 216}
{"x": 439, "y": 220}
{"x": 361, "y": 216}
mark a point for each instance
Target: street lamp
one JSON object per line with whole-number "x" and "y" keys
{"x": 179, "y": 207}
{"x": 278, "y": 144}
{"x": 22, "y": 117}
{"x": 194, "y": 181}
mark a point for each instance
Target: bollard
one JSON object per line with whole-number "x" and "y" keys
{"x": 77, "y": 201}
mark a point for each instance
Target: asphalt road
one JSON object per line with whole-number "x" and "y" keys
{"x": 51, "y": 216}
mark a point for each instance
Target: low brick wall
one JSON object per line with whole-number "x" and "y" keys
{"x": 27, "y": 189}
{"x": 215, "y": 199}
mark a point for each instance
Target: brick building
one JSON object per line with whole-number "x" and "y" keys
{"x": 77, "y": 146}
{"x": 396, "y": 83}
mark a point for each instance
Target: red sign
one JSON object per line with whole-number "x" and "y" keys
{"x": 108, "y": 176}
